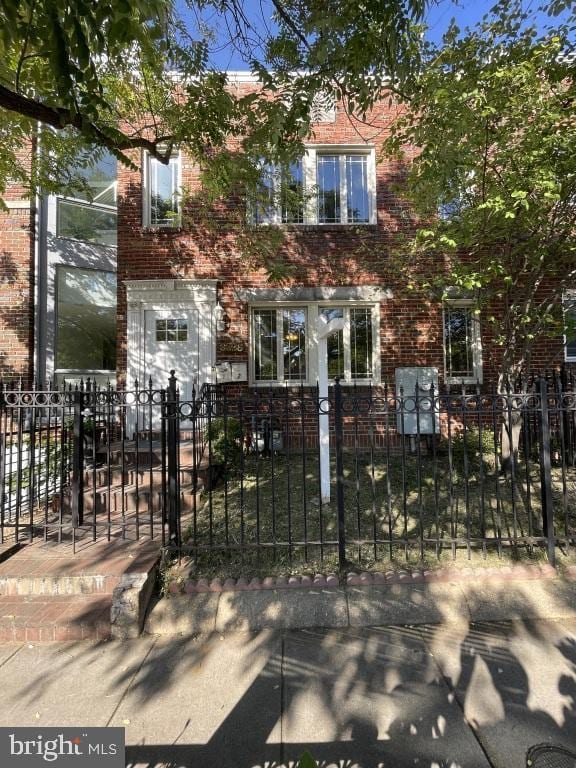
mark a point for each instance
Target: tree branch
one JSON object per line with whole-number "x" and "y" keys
{"x": 60, "y": 118}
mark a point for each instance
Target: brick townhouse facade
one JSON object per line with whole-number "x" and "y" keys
{"x": 132, "y": 284}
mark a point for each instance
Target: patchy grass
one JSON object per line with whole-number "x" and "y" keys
{"x": 410, "y": 510}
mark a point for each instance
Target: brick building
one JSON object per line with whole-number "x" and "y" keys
{"x": 132, "y": 284}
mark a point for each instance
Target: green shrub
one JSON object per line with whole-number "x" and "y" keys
{"x": 475, "y": 447}
{"x": 224, "y": 435}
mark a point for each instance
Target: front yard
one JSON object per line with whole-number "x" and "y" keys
{"x": 400, "y": 509}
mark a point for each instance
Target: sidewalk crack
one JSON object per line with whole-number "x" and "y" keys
{"x": 9, "y": 658}
{"x": 129, "y": 686}
{"x": 452, "y": 690}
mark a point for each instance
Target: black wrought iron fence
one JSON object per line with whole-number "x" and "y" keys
{"x": 246, "y": 478}
{"x": 82, "y": 461}
{"x": 408, "y": 474}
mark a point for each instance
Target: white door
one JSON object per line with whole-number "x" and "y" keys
{"x": 171, "y": 342}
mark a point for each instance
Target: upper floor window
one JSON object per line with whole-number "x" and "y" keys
{"x": 284, "y": 348}
{"x": 162, "y": 192}
{"x": 569, "y": 304}
{"x": 329, "y": 185}
{"x": 89, "y": 212}
{"x": 343, "y": 189}
{"x": 462, "y": 345}
{"x": 280, "y": 196}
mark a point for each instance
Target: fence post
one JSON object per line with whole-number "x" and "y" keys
{"x": 77, "y": 460}
{"x": 339, "y": 473}
{"x": 172, "y": 434}
{"x": 546, "y": 472}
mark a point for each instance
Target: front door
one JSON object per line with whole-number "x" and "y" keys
{"x": 171, "y": 342}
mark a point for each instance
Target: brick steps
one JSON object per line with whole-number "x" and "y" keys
{"x": 52, "y": 591}
{"x": 41, "y": 618}
{"x": 46, "y": 584}
{"x": 146, "y": 454}
{"x": 123, "y": 499}
{"x": 146, "y": 476}
{"x": 129, "y": 499}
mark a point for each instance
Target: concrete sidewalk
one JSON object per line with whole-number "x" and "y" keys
{"x": 487, "y": 599}
{"x": 452, "y": 694}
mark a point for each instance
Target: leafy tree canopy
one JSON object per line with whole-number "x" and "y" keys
{"x": 493, "y": 111}
{"x": 103, "y": 74}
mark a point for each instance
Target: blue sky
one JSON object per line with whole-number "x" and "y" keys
{"x": 224, "y": 56}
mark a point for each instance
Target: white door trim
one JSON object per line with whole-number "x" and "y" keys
{"x": 157, "y": 295}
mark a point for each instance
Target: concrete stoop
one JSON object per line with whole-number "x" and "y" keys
{"x": 101, "y": 591}
{"x": 490, "y": 599}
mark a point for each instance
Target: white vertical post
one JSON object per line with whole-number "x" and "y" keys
{"x": 324, "y": 329}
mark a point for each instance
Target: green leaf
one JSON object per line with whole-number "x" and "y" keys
{"x": 307, "y": 761}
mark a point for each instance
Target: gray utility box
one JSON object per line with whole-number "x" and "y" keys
{"x": 418, "y": 414}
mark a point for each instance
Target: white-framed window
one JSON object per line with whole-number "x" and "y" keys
{"x": 331, "y": 184}
{"x": 343, "y": 188}
{"x": 161, "y": 191}
{"x": 283, "y": 343}
{"x": 462, "y": 342}
{"x": 280, "y": 197}
{"x": 569, "y": 308}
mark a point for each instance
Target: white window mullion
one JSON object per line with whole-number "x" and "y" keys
{"x": 310, "y": 183}
{"x": 346, "y": 342}
{"x": 476, "y": 347}
{"x": 312, "y": 342}
{"x": 280, "y": 345}
{"x": 343, "y": 191}
{"x": 175, "y": 185}
{"x": 376, "y": 351}
{"x": 276, "y": 201}
{"x": 371, "y": 186}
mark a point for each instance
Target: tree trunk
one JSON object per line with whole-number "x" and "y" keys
{"x": 509, "y": 439}
{"x": 511, "y": 417}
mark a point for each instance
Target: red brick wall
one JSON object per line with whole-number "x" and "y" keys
{"x": 17, "y": 286}
{"x": 411, "y": 330}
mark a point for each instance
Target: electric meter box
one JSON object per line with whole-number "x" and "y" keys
{"x": 416, "y": 385}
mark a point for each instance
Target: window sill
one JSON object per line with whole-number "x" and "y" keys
{"x": 452, "y": 382}
{"x": 148, "y": 230}
{"x": 85, "y": 370}
{"x": 309, "y": 385}
{"x": 311, "y": 227}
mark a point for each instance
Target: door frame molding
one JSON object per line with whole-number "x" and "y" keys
{"x": 171, "y": 294}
